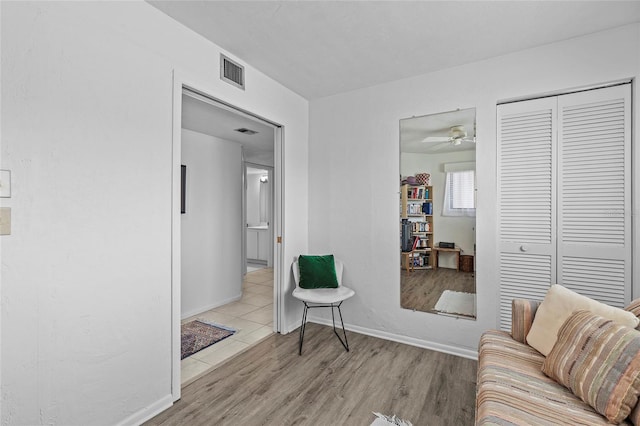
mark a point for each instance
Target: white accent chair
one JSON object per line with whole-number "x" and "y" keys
{"x": 322, "y": 298}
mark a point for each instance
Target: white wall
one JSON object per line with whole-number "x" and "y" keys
{"x": 354, "y": 161}
{"x": 212, "y": 224}
{"x": 460, "y": 230}
{"x": 87, "y": 133}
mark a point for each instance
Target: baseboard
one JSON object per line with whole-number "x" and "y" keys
{"x": 149, "y": 412}
{"x": 290, "y": 327}
{"x": 211, "y": 306}
{"x": 426, "y": 344}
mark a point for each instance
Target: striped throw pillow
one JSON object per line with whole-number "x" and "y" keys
{"x": 599, "y": 361}
{"x": 635, "y": 416}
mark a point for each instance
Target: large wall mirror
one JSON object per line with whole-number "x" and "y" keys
{"x": 437, "y": 213}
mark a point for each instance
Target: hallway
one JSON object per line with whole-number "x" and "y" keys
{"x": 251, "y": 316}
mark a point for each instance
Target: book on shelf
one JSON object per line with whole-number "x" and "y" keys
{"x": 421, "y": 226}
{"x": 421, "y": 260}
{"x": 416, "y": 208}
{"x": 416, "y": 241}
{"x": 416, "y": 193}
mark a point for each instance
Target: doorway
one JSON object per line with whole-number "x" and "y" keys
{"x": 230, "y": 251}
{"x": 258, "y": 213}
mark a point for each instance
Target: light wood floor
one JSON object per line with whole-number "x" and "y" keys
{"x": 421, "y": 289}
{"x": 270, "y": 384}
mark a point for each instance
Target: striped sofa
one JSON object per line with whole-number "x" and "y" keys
{"x": 511, "y": 388}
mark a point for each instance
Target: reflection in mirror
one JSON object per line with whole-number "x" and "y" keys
{"x": 437, "y": 213}
{"x": 258, "y": 193}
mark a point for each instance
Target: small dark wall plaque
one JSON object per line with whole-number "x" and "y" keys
{"x": 183, "y": 189}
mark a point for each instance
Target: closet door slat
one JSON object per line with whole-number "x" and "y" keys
{"x": 526, "y": 160}
{"x": 522, "y": 276}
{"x": 564, "y": 191}
{"x": 525, "y": 166}
{"x": 591, "y": 277}
{"x": 594, "y": 172}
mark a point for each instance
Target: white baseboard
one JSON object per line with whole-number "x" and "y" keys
{"x": 294, "y": 325}
{"x": 211, "y": 306}
{"x": 426, "y": 344}
{"x": 149, "y": 412}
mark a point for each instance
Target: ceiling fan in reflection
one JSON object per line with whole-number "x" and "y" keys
{"x": 457, "y": 135}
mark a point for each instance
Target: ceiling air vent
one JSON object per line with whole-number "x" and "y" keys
{"x": 231, "y": 72}
{"x": 246, "y": 131}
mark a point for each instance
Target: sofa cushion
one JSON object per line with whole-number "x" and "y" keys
{"x": 634, "y": 307}
{"x": 599, "y": 361}
{"x": 634, "y": 417}
{"x": 513, "y": 390}
{"x": 558, "y": 304}
{"x": 523, "y": 312}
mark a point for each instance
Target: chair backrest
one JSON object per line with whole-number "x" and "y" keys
{"x": 338, "y": 264}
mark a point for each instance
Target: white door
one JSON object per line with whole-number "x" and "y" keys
{"x": 594, "y": 194}
{"x": 526, "y": 188}
{"x": 564, "y": 173}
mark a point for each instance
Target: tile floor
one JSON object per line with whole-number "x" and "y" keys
{"x": 251, "y": 316}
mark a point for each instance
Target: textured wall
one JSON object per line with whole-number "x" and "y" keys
{"x": 354, "y": 170}
{"x": 87, "y": 133}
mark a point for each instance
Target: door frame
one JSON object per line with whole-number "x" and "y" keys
{"x": 180, "y": 82}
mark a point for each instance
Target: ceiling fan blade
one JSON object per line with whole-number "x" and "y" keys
{"x": 431, "y": 139}
{"x": 443, "y": 131}
{"x": 440, "y": 146}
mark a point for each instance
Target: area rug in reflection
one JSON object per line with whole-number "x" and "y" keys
{"x": 456, "y": 302}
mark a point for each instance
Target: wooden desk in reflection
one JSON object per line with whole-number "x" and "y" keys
{"x": 437, "y": 251}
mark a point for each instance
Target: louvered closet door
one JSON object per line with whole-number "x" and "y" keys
{"x": 594, "y": 175}
{"x": 527, "y": 218}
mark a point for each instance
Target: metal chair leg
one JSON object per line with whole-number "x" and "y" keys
{"x": 345, "y": 343}
{"x": 302, "y": 327}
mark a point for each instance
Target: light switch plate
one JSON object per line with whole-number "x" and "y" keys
{"x": 5, "y": 220}
{"x": 5, "y": 183}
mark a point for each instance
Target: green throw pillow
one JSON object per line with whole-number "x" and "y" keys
{"x": 317, "y": 271}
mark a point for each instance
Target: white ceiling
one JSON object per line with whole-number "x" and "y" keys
{"x": 203, "y": 117}
{"x": 321, "y": 48}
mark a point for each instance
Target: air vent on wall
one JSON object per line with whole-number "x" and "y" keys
{"x": 246, "y": 131}
{"x": 231, "y": 72}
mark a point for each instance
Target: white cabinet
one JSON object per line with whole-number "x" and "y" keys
{"x": 258, "y": 244}
{"x": 252, "y": 244}
{"x": 263, "y": 245}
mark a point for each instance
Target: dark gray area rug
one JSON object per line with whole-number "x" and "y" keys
{"x": 199, "y": 334}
